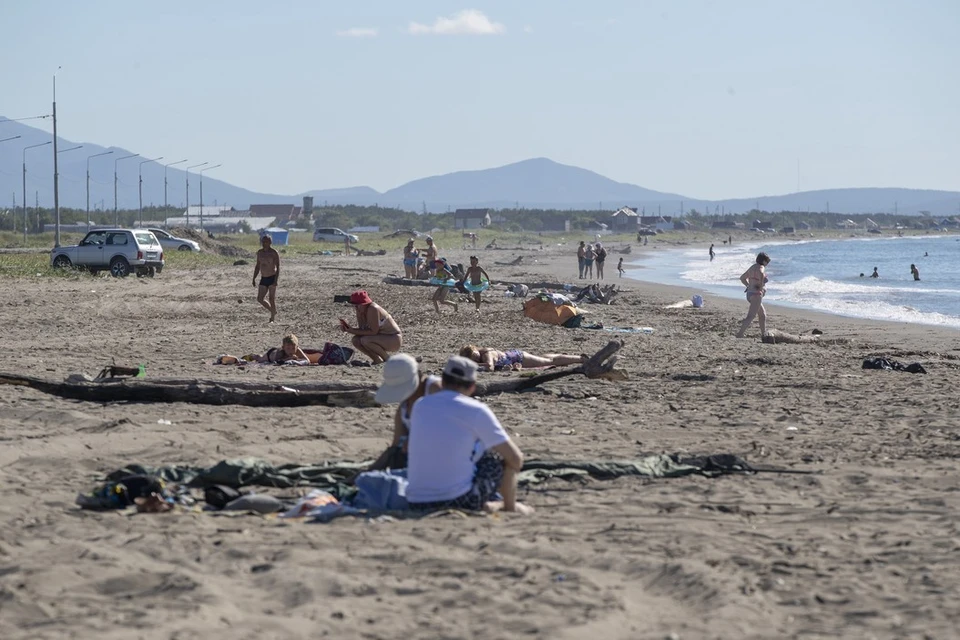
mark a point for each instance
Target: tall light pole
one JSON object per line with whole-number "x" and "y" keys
{"x": 56, "y": 173}
{"x": 116, "y": 210}
{"x": 202, "y": 164}
{"x": 165, "y": 211}
{"x": 33, "y": 146}
{"x": 15, "y": 204}
{"x": 105, "y": 153}
{"x": 201, "y": 191}
{"x": 140, "y": 186}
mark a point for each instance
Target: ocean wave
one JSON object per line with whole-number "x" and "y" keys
{"x": 879, "y": 310}
{"x": 812, "y": 285}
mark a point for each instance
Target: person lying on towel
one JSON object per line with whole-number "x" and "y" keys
{"x": 515, "y": 359}
{"x": 289, "y": 352}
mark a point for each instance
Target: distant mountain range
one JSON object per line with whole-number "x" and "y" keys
{"x": 536, "y": 183}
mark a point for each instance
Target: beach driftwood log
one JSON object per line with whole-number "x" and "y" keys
{"x": 263, "y": 394}
{"x": 782, "y": 337}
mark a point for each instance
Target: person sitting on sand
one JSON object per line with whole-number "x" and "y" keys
{"x": 444, "y": 278}
{"x": 377, "y": 334}
{"x": 915, "y": 272}
{"x": 875, "y": 273}
{"x": 515, "y": 359}
{"x": 755, "y": 281}
{"x": 403, "y": 384}
{"x": 289, "y": 351}
{"x": 463, "y": 459}
{"x": 479, "y": 280}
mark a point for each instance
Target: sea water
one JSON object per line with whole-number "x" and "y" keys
{"x": 825, "y": 275}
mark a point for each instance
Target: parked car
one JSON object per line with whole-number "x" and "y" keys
{"x": 172, "y": 242}
{"x": 329, "y": 234}
{"x": 122, "y": 251}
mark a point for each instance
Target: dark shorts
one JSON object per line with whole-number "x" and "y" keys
{"x": 268, "y": 281}
{"x": 486, "y": 483}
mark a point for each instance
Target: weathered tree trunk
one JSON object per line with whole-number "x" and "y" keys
{"x": 264, "y": 394}
{"x": 780, "y": 337}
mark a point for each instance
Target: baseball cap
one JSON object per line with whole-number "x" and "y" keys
{"x": 461, "y": 369}
{"x": 400, "y": 379}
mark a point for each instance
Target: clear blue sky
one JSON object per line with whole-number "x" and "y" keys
{"x": 710, "y": 99}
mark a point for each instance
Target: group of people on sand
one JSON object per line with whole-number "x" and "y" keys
{"x": 465, "y": 460}
{"x": 417, "y": 262}
{"x": 590, "y": 255}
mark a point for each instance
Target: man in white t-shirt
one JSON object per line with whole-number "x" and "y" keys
{"x": 458, "y": 455}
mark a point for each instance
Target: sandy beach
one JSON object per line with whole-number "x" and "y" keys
{"x": 865, "y": 546}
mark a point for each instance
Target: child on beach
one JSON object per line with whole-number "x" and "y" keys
{"x": 755, "y": 281}
{"x": 620, "y": 267}
{"x": 443, "y": 276}
{"x": 479, "y": 281}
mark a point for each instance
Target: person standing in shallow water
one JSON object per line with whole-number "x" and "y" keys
{"x": 875, "y": 273}
{"x": 755, "y": 281}
{"x": 915, "y": 272}
{"x": 712, "y": 254}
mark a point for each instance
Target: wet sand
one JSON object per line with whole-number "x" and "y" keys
{"x": 864, "y": 547}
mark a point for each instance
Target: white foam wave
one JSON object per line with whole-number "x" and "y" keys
{"x": 875, "y": 310}
{"x": 811, "y": 285}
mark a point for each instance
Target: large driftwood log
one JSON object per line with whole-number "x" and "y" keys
{"x": 781, "y": 337}
{"x": 264, "y": 394}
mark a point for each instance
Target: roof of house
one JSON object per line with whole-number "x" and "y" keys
{"x": 255, "y": 223}
{"x": 209, "y": 210}
{"x": 275, "y": 210}
{"x": 625, "y": 211}
{"x": 470, "y": 213}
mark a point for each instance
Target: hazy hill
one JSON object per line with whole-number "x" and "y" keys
{"x": 534, "y": 183}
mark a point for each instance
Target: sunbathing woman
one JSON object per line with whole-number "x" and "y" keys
{"x": 377, "y": 333}
{"x": 445, "y": 279}
{"x": 404, "y": 384}
{"x": 410, "y": 256}
{"x": 479, "y": 281}
{"x": 515, "y": 359}
{"x": 289, "y": 351}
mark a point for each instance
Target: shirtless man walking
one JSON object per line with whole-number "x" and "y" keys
{"x": 268, "y": 266}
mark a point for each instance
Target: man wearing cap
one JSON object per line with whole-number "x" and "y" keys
{"x": 268, "y": 266}
{"x": 459, "y": 455}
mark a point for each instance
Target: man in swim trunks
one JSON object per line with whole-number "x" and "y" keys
{"x": 431, "y": 253}
{"x": 268, "y": 266}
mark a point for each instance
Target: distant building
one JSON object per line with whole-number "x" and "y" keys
{"x": 804, "y": 226}
{"x": 555, "y": 224}
{"x": 660, "y": 223}
{"x": 220, "y": 224}
{"x": 682, "y": 225}
{"x": 870, "y": 224}
{"x": 280, "y": 212}
{"x": 624, "y": 219}
{"x": 471, "y": 218}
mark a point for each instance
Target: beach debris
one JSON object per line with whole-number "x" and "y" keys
{"x": 600, "y": 365}
{"x": 781, "y": 337}
{"x": 892, "y": 365}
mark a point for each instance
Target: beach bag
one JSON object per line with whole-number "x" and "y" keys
{"x": 333, "y": 353}
{"x": 697, "y": 301}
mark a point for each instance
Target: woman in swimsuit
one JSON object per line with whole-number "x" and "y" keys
{"x": 515, "y": 359}
{"x": 377, "y": 333}
{"x": 410, "y": 255}
{"x": 289, "y": 351}
{"x": 755, "y": 281}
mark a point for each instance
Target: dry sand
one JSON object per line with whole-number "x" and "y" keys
{"x": 866, "y": 548}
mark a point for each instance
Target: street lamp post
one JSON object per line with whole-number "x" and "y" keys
{"x": 105, "y": 153}
{"x": 56, "y": 173}
{"x": 33, "y": 146}
{"x": 15, "y": 204}
{"x": 140, "y": 186}
{"x": 202, "y": 164}
{"x": 116, "y": 210}
{"x": 165, "y": 210}
{"x": 201, "y": 191}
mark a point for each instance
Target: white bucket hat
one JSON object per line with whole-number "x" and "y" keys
{"x": 400, "y": 379}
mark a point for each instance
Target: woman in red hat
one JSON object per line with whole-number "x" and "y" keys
{"x": 377, "y": 333}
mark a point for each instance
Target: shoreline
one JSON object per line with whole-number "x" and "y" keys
{"x": 708, "y": 290}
